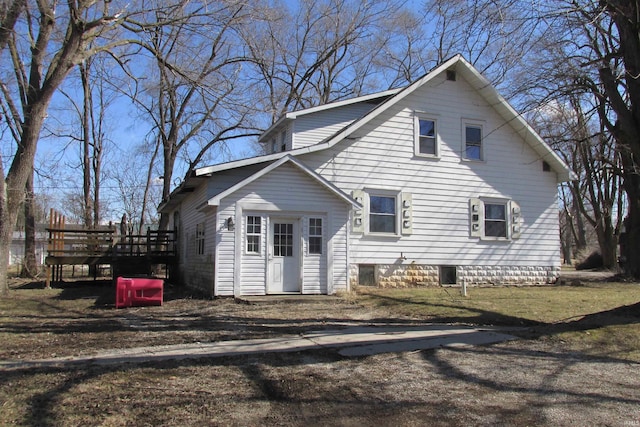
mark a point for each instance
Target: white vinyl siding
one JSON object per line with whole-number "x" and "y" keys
{"x": 196, "y": 270}
{"x": 284, "y": 192}
{"x": 313, "y": 128}
{"x": 383, "y": 157}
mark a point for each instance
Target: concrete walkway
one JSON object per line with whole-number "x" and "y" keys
{"x": 353, "y": 342}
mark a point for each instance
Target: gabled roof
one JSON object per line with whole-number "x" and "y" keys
{"x": 471, "y": 75}
{"x": 215, "y": 200}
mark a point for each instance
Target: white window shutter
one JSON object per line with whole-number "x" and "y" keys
{"x": 357, "y": 224}
{"x": 515, "y": 219}
{"x": 476, "y": 217}
{"x": 406, "y": 214}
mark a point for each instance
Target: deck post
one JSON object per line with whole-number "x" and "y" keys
{"x": 47, "y": 280}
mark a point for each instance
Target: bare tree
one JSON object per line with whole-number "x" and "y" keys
{"x": 596, "y": 195}
{"x": 194, "y": 97}
{"x": 136, "y": 192}
{"x": 43, "y": 48}
{"x": 9, "y": 13}
{"x": 318, "y": 52}
{"x": 30, "y": 264}
{"x": 497, "y": 37}
{"x": 592, "y": 51}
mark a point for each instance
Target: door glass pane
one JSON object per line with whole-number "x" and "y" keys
{"x": 283, "y": 240}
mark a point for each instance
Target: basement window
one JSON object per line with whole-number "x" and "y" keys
{"x": 448, "y": 275}
{"x": 366, "y": 275}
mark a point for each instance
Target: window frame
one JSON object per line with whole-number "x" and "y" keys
{"x": 513, "y": 221}
{"x": 200, "y": 238}
{"x": 315, "y": 236}
{"x": 477, "y": 124}
{"x": 417, "y": 136}
{"x": 505, "y": 206}
{"x": 253, "y": 233}
{"x": 395, "y": 195}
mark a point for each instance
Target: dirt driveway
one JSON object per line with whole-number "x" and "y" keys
{"x": 524, "y": 382}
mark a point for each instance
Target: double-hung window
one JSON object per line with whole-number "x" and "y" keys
{"x": 495, "y": 220}
{"x": 382, "y": 214}
{"x": 473, "y": 141}
{"x": 254, "y": 225}
{"x": 426, "y": 142}
{"x": 315, "y": 236}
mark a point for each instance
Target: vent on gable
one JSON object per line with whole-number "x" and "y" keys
{"x": 451, "y": 75}
{"x": 546, "y": 167}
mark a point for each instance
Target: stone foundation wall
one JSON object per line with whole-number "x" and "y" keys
{"x": 411, "y": 275}
{"x": 477, "y": 275}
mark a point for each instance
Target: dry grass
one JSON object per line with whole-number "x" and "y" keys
{"x": 577, "y": 364}
{"x": 598, "y": 318}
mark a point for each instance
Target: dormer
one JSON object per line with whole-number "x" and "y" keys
{"x": 310, "y": 126}
{"x": 279, "y": 139}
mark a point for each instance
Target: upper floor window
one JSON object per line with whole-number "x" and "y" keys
{"x": 382, "y": 214}
{"x": 473, "y": 142}
{"x": 283, "y": 141}
{"x": 426, "y": 137}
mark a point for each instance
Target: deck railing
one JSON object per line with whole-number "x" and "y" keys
{"x": 69, "y": 242}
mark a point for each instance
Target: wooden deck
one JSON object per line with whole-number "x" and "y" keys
{"x": 129, "y": 254}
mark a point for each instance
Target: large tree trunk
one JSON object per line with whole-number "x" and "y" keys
{"x": 169, "y": 159}
{"x": 626, "y": 17}
{"x": 30, "y": 264}
{"x": 16, "y": 180}
{"x": 631, "y": 242}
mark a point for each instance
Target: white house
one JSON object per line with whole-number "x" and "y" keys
{"x": 436, "y": 183}
{"x": 16, "y": 249}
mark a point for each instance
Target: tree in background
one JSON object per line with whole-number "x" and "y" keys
{"x": 191, "y": 88}
{"x": 597, "y": 195}
{"x": 589, "y": 63}
{"x": 315, "y": 52}
{"x": 47, "y": 41}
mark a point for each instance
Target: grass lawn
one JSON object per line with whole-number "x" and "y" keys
{"x": 599, "y": 318}
{"x": 577, "y": 363}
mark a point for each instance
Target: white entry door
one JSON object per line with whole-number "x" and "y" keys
{"x": 284, "y": 256}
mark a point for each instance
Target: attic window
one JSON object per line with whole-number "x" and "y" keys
{"x": 451, "y": 75}
{"x": 546, "y": 167}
